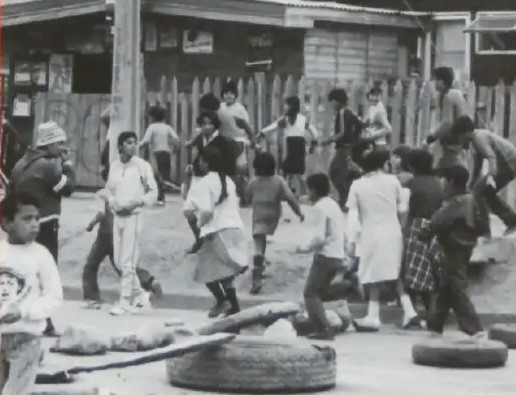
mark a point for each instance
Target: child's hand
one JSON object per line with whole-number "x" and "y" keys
{"x": 11, "y": 316}
{"x": 90, "y": 226}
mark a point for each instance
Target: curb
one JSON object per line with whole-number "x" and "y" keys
{"x": 183, "y": 301}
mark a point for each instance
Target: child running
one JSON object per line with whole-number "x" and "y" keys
{"x": 30, "y": 292}
{"x": 266, "y": 192}
{"x": 223, "y": 252}
{"x": 377, "y": 126}
{"x": 328, "y": 247}
{"x": 458, "y": 224}
{"x": 294, "y": 126}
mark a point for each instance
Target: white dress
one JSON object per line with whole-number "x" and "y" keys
{"x": 377, "y": 198}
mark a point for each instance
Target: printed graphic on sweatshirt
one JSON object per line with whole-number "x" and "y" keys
{"x": 13, "y": 287}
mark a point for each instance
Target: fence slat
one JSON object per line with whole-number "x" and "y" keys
{"x": 424, "y": 112}
{"x": 499, "y": 109}
{"x": 206, "y": 86}
{"x": 396, "y": 105}
{"x": 184, "y": 157}
{"x": 410, "y": 114}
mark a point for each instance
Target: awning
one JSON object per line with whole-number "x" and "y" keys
{"x": 503, "y": 23}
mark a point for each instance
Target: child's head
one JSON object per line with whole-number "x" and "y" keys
{"x": 157, "y": 114}
{"x": 264, "y": 164}
{"x": 338, "y": 98}
{"x": 400, "y": 158}
{"x": 229, "y": 92}
{"x": 127, "y": 144}
{"x": 318, "y": 186}
{"x": 420, "y": 162}
{"x": 463, "y": 129}
{"x": 209, "y": 102}
{"x": 454, "y": 179}
{"x": 20, "y": 217}
{"x": 209, "y": 122}
{"x": 374, "y": 95}
{"x": 443, "y": 77}
{"x": 292, "y": 105}
{"x": 376, "y": 159}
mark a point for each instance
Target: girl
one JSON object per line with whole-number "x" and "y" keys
{"x": 223, "y": 253}
{"x": 209, "y": 135}
{"x": 377, "y": 126}
{"x": 399, "y": 163}
{"x": 375, "y": 199}
{"x": 265, "y": 193}
{"x": 294, "y": 126}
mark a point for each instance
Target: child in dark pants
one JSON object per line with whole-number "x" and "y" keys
{"x": 457, "y": 224}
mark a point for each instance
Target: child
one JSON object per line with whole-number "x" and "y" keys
{"x": 426, "y": 196}
{"x": 223, "y": 252}
{"x": 266, "y": 192}
{"x": 399, "y": 163}
{"x": 30, "y": 291}
{"x": 328, "y": 247}
{"x": 457, "y": 224}
{"x": 160, "y": 137}
{"x": 377, "y": 125}
{"x": 294, "y": 126}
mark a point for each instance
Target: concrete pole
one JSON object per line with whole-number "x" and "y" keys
{"x": 126, "y": 87}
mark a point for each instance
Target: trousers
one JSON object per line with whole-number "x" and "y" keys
{"x": 49, "y": 237}
{"x": 162, "y": 174}
{"x": 126, "y": 236}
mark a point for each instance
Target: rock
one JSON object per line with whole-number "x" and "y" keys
{"x": 282, "y": 329}
{"x": 82, "y": 340}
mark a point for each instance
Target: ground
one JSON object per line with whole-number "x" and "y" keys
{"x": 166, "y": 238}
{"x": 367, "y": 364}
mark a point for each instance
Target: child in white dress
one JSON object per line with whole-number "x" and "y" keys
{"x": 377, "y": 125}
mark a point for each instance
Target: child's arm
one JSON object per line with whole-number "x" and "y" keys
{"x": 243, "y": 124}
{"x": 441, "y": 221}
{"x": 173, "y": 137}
{"x": 98, "y": 217}
{"x": 290, "y": 198}
{"x": 146, "y": 137}
{"x": 249, "y": 191}
{"x": 319, "y": 237}
{"x": 272, "y": 127}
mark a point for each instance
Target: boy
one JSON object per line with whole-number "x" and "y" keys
{"x": 377, "y": 125}
{"x": 328, "y": 246}
{"x": 457, "y": 225}
{"x": 30, "y": 291}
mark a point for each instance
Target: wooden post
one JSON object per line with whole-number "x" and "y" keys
{"x": 127, "y": 73}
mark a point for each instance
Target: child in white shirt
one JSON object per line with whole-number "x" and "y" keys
{"x": 30, "y": 291}
{"x": 377, "y": 125}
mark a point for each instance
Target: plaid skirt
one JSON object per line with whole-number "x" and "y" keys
{"x": 223, "y": 254}
{"x": 420, "y": 259}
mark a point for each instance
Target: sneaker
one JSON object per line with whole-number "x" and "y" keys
{"x": 160, "y": 203}
{"x": 412, "y": 323}
{"x": 195, "y": 248}
{"x": 326, "y": 335}
{"x": 435, "y": 335}
{"x": 121, "y": 309}
{"x": 218, "y": 309}
{"x": 142, "y": 301}
{"x": 93, "y": 305}
{"x": 365, "y": 325}
{"x": 479, "y": 337}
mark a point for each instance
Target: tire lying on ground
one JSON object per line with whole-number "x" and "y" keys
{"x": 505, "y": 333}
{"x": 253, "y": 364}
{"x": 460, "y": 353}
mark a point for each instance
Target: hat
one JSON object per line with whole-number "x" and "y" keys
{"x": 49, "y": 133}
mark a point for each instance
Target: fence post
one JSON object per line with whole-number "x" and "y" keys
{"x": 163, "y": 92}
{"x": 424, "y": 112}
{"x": 184, "y": 157}
{"x": 206, "y": 86}
{"x": 499, "y": 112}
{"x": 216, "y": 87}
{"x": 176, "y": 165}
{"x": 396, "y": 113}
{"x": 196, "y": 95}
{"x": 250, "y": 98}
{"x": 410, "y": 114}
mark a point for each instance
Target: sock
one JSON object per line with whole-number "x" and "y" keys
{"x": 217, "y": 291}
{"x": 408, "y": 308}
{"x": 233, "y": 299}
{"x": 373, "y": 311}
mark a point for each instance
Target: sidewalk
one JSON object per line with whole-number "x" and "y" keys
{"x": 368, "y": 364}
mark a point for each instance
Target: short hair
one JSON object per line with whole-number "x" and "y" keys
{"x": 462, "y": 125}
{"x": 126, "y": 135}
{"x": 157, "y": 113}
{"x": 421, "y": 161}
{"x": 457, "y": 175}
{"x": 211, "y": 116}
{"x": 264, "y": 164}
{"x": 445, "y": 74}
{"x": 320, "y": 183}
{"x": 403, "y": 151}
{"x": 376, "y": 159}
{"x": 339, "y": 95}
{"x": 377, "y": 91}
{"x": 230, "y": 86}
{"x": 13, "y": 200}
{"x": 209, "y": 102}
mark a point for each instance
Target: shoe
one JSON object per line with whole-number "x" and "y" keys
{"x": 218, "y": 309}
{"x": 413, "y": 323}
{"x": 479, "y": 337}
{"x": 195, "y": 248}
{"x": 93, "y": 305}
{"x": 257, "y": 281}
{"x": 156, "y": 290}
{"x": 122, "y": 309}
{"x": 365, "y": 325}
{"x": 50, "y": 330}
{"x": 142, "y": 301}
{"x": 434, "y": 335}
{"x": 325, "y": 335}
{"x": 160, "y": 203}
{"x": 229, "y": 312}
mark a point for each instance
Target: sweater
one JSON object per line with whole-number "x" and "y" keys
{"x": 29, "y": 280}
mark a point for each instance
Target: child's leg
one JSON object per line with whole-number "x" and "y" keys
{"x": 438, "y": 316}
{"x": 192, "y": 221}
{"x": 373, "y": 308}
{"x": 464, "y": 310}
{"x": 260, "y": 243}
{"x": 231, "y": 295}
{"x": 217, "y": 291}
{"x": 99, "y": 251}
{"x": 20, "y": 359}
{"x": 409, "y": 313}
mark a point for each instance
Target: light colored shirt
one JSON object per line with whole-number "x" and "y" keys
{"x": 160, "y": 136}
{"x": 499, "y": 152}
{"x": 298, "y": 129}
{"x": 225, "y": 215}
{"x": 131, "y": 181}
{"x": 29, "y": 280}
{"x": 329, "y": 229}
{"x": 379, "y": 124}
{"x": 228, "y": 125}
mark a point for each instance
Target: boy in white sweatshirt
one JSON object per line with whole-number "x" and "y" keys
{"x": 30, "y": 291}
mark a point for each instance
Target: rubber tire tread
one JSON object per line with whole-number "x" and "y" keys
{"x": 505, "y": 333}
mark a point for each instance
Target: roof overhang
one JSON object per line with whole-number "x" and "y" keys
{"x": 498, "y": 23}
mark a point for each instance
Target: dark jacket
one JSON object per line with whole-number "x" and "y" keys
{"x": 45, "y": 177}
{"x": 225, "y": 146}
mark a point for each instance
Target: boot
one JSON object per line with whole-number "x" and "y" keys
{"x": 233, "y": 301}
{"x": 50, "y": 330}
{"x": 221, "y": 303}
{"x": 257, "y": 275}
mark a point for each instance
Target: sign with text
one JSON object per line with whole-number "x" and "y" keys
{"x": 197, "y": 42}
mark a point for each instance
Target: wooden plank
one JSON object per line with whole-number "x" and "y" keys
{"x": 481, "y": 107}
{"x": 174, "y": 121}
{"x": 196, "y": 95}
{"x": 499, "y": 109}
{"x": 489, "y": 107}
{"x": 410, "y": 114}
{"x": 424, "y": 111}
{"x": 184, "y": 158}
{"x": 206, "y": 86}
{"x": 471, "y": 98}
{"x": 273, "y": 142}
{"x": 163, "y": 92}
{"x": 396, "y": 115}
{"x": 250, "y": 102}
{"x": 217, "y": 87}
{"x": 512, "y": 114}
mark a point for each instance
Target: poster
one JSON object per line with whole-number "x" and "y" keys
{"x": 22, "y": 106}
{"x": 168, "y": 37}
{"x": 151, "y": 37}
{"x": 60, "y": 73}
{"x": 197, "y": 42}
{"x": 26, "y": 72}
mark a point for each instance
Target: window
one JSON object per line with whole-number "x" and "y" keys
{"x": 450, "y": 46}
{"x": 495, "y": 33}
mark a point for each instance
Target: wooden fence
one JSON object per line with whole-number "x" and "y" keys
{"x": 410, "y": 103}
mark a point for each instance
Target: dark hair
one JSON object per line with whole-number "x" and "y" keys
{"x": 209, "y": 102}
{"x": 213, "y": 117}
{"x": 126, "y": 135}
{"x": 157, "y": 113}
{"x": 320, "y": 183}
{"x": 457, "y": 175}
{"x": 294, "y": 105}
{"x": 376, "y": 159}
{"x": 12, "y": 202}
{"x": 445, "y": 74}
{"x": 421, "y": 161}
{"x": 213, "y": 158}
{"x": 404, "y": 152}
{"x": 376, "y": 91}
{"x": 463, "y": 125}
{"x": 264, "y": 164}
{"x": 339, "y": 95}
{"x": 230, "y": 86}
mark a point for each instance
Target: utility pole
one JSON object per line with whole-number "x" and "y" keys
{"x": 127, "y": 73}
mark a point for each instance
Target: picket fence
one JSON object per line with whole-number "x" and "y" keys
{"x": 410, "y": 103}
